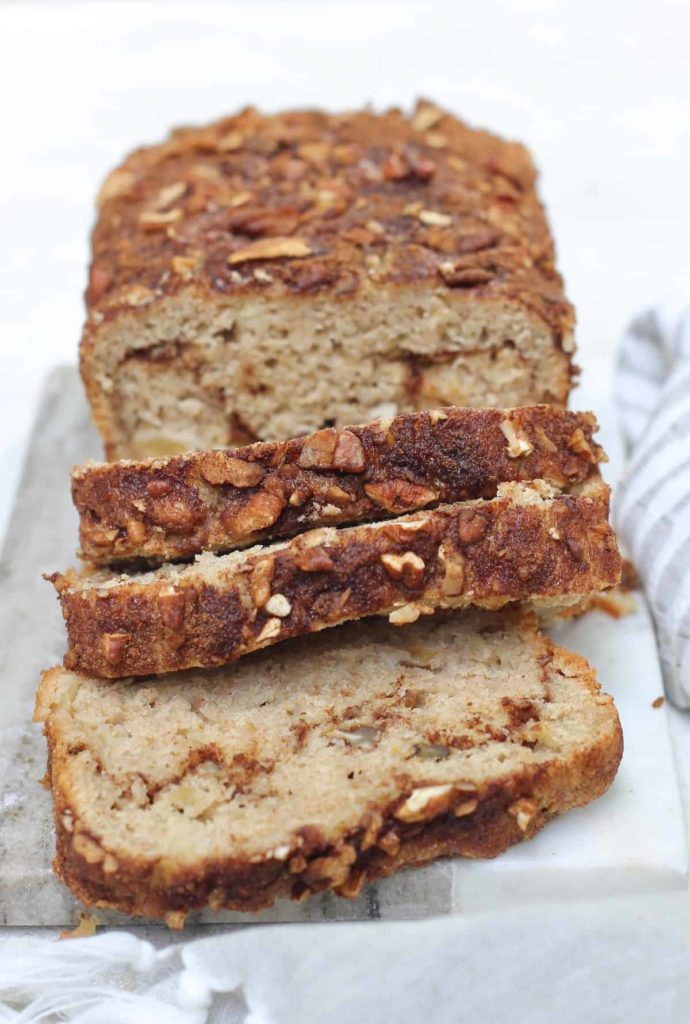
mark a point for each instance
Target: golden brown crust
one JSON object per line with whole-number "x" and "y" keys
{"x": 477, "y": 824}
{"x": 165, "y": 509}
{"x": 452, "y": 205}
{"x": 488, "y": 553}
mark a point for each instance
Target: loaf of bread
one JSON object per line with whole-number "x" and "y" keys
{"x": 263, "y": 277}
{"x": 173, "y": 508}
{"x": 321, "y": 765}
{"x": 530, "y": 543}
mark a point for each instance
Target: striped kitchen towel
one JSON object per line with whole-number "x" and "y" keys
{"x": 652, "y": 505}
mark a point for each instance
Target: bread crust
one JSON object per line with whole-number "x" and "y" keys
{"x": 167, "y": 509}
{"x": 516, "y": 547}
{"x": 507, "y": 811}
{"x": 356, "y": 203}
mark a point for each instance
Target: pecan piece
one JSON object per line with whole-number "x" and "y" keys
{"x": 518, "y": 443}
{"x": 349, "y": 453}
{"x": 463, "y": 277}
{"x": 219, "y": 468}
{"x": 397, "y": 495}
{"x": 136, "y": 531}
{"x": 260, "y": 581}
{"x": 453, "y": 583}
{"x": 407, "y": 567}
{"x": 318, "y": 452}
{"x": 575, "y": 548}
{"x": 523, "y": 810}
{"x": 578, "y": 443}
{"x": 425, "y": 803}
{"x": 389, "y": 843}
{"x": 158, "y": 488}
{"x": 278, "y": 605}
{"x": 315, "y": 559}
{"x": 271, "y": 249}
{"x": 259, "y": 512}
{"x": 333, "y": 869}
{"x": 395, "y": 167}
{"x": 172, "y": 607}
{"x": 472, "y": 526}
{"x": 114, "y": 645}
{"x": 99, "y": 282}
{"x": 435, "y": 219}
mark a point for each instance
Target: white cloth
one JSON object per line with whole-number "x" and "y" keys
{"x": 561, "y": 962}
{"x": 652, "y": 504}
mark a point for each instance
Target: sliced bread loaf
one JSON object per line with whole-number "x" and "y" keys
{"x": 529, "y": 543}
{"x": 266, "y": 276}
{"x": 321, "y": 765}
{"x": 166, "y": 509}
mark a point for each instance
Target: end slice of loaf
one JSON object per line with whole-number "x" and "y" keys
{"x": 529, "y": 543}
{"x": 322, "y": 765}
{"x": 167, "y": 509}
{"x": 266, "y": 276}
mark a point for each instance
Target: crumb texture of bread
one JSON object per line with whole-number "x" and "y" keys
{"x": 322, "y": 765}
{"x": 172, "y": 508}
{"x": 530, "y": 543}
{"x": 266, "y": 276}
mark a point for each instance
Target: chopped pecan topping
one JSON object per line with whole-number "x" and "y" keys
{"x": 99, "y": 282}
{"x": 578, "y": 443}
{"x": 319, "y": 451}
{"x": 349, "y": 453}
{"x": 405, "y": 614}
{"x": 172, "y": 608}
{"x": 523, "y": 810}
{"x": 518, "y": 443}
{"x": 453, "y": 583}
{"x": 219, "y": 468}
{"x": 398, "y": 495}
{"x": 408, "y": 567}
{"x": 333, "y": 869}
{"x": 466, "y": 807}
{"x": 271, "y": 629}
{"x": 463, "y": 276}
{"x": 433, "y": 218}
{"x": 575, "y": 548}
{"x": 157, "y": 220}
{"x": 158, "y": 488}
{"x": 314, "y": 559}
{"x": 425, "y": 802}
{"x": 472, "y": 526}
{"x": 389, "y": 842}
{"x": 114, "y": 645}
{"x": 278, "y": 605}
{"x": 260, "y": 581}
{"x": 271, "y": 249}
{"x": 425, "y": 116}
{"x": 260, "y": 511}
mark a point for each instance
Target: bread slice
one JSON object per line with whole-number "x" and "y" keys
{"x": 528, "y": 543}
{"x": 167, "y": 509}
{"x": 266, "y": 276}
{"x": 321, "y": 765}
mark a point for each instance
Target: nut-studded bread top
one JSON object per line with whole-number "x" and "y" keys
{"x": 269, "y": 276}
{"x": 321, "y": 765}
{"x": 528, "y": 543}
{"x": 166, "y": 509}
{"x": 306, "y": 202}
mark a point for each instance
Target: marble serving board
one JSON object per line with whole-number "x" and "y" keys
{"x": 631, "y": 840}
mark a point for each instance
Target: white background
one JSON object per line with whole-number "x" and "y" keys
{"x": 599, "y": 90}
